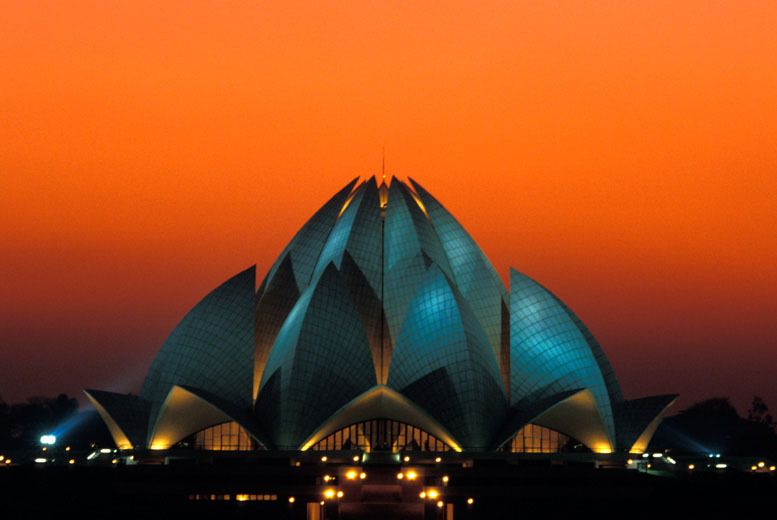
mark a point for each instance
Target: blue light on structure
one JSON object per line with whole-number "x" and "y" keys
{"x": 381, "y": 293}
{"x": 48, "y": 439}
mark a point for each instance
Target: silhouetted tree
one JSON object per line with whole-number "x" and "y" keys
{"x": 4, "y": 424}
{"x": 714, "y": 425}
{"x": 759, "y": 412}
{"x": 24, "y": 423}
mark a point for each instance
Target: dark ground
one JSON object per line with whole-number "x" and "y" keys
{"x": 499, "y": 490}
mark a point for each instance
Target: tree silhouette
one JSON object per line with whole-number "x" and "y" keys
{"x": 759, "y": 413}
{"x": 714, "y": 426}
{"x": 21, "y": 425}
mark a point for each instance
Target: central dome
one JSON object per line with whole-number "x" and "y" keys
{"x": 382, "y": 287}
{"x": 381, "y": 308}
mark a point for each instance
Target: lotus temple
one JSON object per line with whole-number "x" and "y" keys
{"x": 381, "y": 328}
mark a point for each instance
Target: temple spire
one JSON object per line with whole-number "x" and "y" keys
{"x": 383, "y": 165}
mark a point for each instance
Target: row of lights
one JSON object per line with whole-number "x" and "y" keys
{"x": 352, "y": 474}
{"x": 356, "y": 458}
{"x": 330, "y": 493}
{"x": 762, "y": 465}
{"x": 410, "y": 475}
{"x": 434, "y": 494}
{"x": 324, "y": 458}
{"x": 43, "y": 460}
{"x": 431, "y": 494}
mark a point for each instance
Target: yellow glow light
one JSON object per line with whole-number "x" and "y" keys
{"x": 422, "y": 494}
{"x": 691, "y": 466}
{"x": 629, "y": 461}
{"x": 115, "y": 461}
{"x": 324, "y": 458}
{"x": 327, "y": 478}
{"x": 407, "y": 458}
{"x": 440, "y": 504}
{"x": 159, "y": 446}
{"x": 445, "y": 479}
{"x": 470, "y": 501}
{"x": 241, "y": 498}
{"x": 346, "y": 203}
{"x": 2, "y": 458}
{"x": 400, "y": 476}
{"x": 329, "y": 493}
{"x": 322, "y": 502}
{"x": 420, "y": 204}
{"x": 351, "y": 474}
{"x": 362, "y": 475}
{"x": 761, "y": 464}
{"x": 67, "y": 448}
{"x": 772, "y": 468}
{"x": 432, "y": 493}
{"x": 411, "y": 475}
{"x": 71, "y": 461}
{"x": 340, "y": 494}
{"x": 292, "y": 500}
{"x": 356, "y": 458}
{"x": 7, "y": 461}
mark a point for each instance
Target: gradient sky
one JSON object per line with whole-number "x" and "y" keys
{"x": 624, "y": 154}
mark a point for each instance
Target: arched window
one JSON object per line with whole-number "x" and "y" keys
{"x": 381, "y": 435}
{"x": 538, "y": 439}
{"x": 228, "y": 436}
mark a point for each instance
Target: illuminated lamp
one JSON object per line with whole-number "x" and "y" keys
{"x": 350, "y": 475}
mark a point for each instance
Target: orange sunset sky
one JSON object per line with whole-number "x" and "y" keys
{"x": 624, "y": 154}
